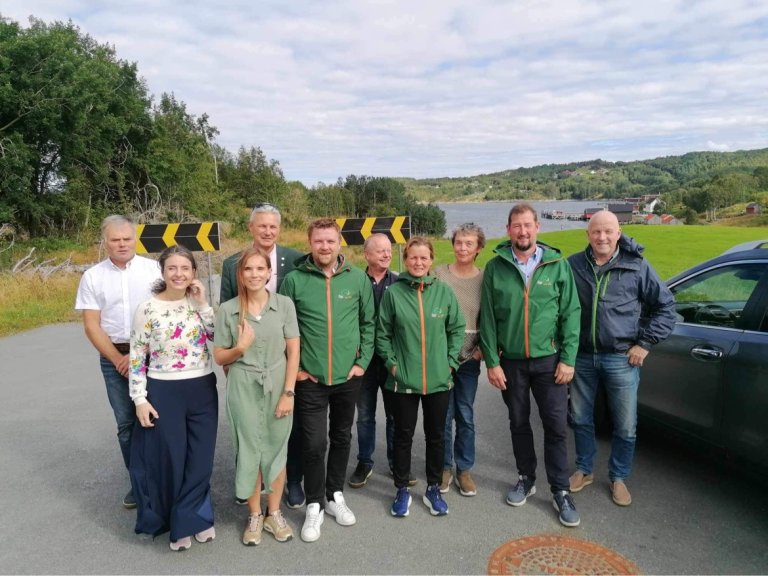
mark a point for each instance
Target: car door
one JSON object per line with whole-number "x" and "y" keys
{"x": 745, "y": 376}
{"x": 684, "y": 381}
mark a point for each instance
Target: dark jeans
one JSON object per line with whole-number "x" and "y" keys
{"x": 373, "y": 380}
{"x": 405, "y": 410}
{"x": 537, "y": 376}
{"x": 327, "y": 414}
{"x": 122, "y": 406}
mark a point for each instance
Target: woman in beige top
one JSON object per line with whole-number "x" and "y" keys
{"x": 466, "y": 279}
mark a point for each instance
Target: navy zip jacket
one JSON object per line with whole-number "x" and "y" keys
{"x": 625, "y": 304}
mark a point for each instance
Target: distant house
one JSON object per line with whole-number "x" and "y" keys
{"x": 623, "y": 212}
{"x": 653, "y": 219}
{"x": 669, "y": 220}
{"x": 589, "y": 212}
{"x": 754, "y": 208}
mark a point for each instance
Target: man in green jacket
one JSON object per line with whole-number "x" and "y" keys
{"x": 264, "y": 226}
{"x": 335, "y": 310}
{"x": 529, "y": 335}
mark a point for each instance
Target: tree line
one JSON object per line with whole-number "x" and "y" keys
{"x": 81, "y": 137}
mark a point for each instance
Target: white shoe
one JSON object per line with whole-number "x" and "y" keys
{"x": 314, "y": 519}
{"x": 338, "y": 508}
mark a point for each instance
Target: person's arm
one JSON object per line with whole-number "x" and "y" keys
{"x": 454, "y": 327}
{"x": 367, "y": 314}
{"x": 286, "y": 402}
{"x": 659, "y": 305}
{"x": 488, "y": 337}
{"x": 569, "y": 323}
{"x": 228, "y": 281}
{"x": 384, "y": 332}
{"x": 100, "y": 340}
{"x": 137, "y": 378}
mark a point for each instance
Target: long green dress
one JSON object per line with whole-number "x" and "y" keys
{"x": 254, "y": 384}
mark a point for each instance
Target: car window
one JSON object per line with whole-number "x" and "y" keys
{"x": 717, "y": 297}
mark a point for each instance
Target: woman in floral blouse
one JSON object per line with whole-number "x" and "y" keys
{"x": 174, "y": 389}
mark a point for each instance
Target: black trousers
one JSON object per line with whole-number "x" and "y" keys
{"x": 326, "y": 414}
{"x": 537, "y": 376}
{"x": 405, "y": 411}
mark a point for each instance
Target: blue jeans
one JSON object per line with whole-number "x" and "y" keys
{"x": 122, "y": 406}
{"x": 621, "y": 382}
{"x": 373, "y": 380}
{"x": 460, "y": 408}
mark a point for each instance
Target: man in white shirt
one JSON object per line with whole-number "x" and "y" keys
{"x": 108, "y": 295}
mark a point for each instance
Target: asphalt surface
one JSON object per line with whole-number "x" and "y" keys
{"x": 62, "y": 480}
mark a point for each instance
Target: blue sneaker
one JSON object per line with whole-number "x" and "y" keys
{"x": 402, "y": 504}
{"x": 563, "y": 503}
{"x": 294, "y": 495}
{"x": 518, "y": 494}
{"x": 434, "y": 501}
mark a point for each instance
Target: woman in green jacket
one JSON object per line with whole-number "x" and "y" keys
{"x": 419, "y": 335}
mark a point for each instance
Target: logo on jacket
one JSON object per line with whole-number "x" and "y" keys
{"x": 345, "y": 295}
{"x": 438, "y": 312}
{"x": 546, "y": 281}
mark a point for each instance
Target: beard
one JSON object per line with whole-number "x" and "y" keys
{"x": 523, "y": 245}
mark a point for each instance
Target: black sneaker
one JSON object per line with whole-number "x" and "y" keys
{"x": 567, "y": 514}
{"x": 361, "y": 474}
{"x": 129, "y": 501}
{"x": 518, "y": 494}
{"x": 294, "y": 495}
{"x": 241, "y": 501}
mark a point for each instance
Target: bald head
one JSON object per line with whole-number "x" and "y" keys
{"x": 603, "y": 232}
{"x": 378, "y": 253}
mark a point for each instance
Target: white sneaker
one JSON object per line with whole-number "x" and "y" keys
{"x": 338, "y": 508}
{"x": 314, "y": 519}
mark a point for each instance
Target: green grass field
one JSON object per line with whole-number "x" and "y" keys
{"x": 670, "y": 249}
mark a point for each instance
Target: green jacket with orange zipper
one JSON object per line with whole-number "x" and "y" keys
{"x": 336, "y": 318}
{"x": 420, "y": 332}
{"x": 519, "y": 321}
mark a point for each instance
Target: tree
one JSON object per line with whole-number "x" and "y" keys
{"x": 74, "y": 114}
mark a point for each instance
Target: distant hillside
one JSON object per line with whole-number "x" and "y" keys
{"x": 699, "y": 181}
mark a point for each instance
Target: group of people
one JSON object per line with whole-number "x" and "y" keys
{"x": 307, "y": 341}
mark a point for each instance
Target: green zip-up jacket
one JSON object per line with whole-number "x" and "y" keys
{"x": 420, "y": 332}
{"x": 336, "y": 318}
{"x": 520, "y": 321}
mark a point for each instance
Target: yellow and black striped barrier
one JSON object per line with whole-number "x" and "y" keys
{"x": 354, "y": 231}
{"x": 198, "y": 237}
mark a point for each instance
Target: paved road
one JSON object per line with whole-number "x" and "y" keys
{"x": 61, "y": 480}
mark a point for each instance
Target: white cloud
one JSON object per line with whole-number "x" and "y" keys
{"x": 448, "y": 87}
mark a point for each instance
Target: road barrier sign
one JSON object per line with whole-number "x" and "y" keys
{"x": 198, "y": 237}
{"x": 354, "y": 231}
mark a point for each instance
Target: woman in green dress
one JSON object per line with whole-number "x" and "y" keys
{"x": 257, "y": 339}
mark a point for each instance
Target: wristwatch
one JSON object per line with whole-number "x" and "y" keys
{"x": 289, "y": 393}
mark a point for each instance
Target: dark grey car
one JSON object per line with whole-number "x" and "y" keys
{"x": 709, "y": 379}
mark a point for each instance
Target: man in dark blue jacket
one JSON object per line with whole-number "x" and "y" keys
{"x": 625, "y": 310}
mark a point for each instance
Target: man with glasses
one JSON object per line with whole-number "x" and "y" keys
{"x": 264, "y": 226}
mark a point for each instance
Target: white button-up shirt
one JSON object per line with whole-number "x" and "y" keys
{"x": 117, "y": 292}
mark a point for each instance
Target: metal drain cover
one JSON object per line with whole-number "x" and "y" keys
{"x": 553, "y": 554}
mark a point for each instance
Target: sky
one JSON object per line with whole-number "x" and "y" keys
{"x": 434, "y": 88}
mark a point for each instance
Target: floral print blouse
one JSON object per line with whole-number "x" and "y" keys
{"x": 174, "y": 336}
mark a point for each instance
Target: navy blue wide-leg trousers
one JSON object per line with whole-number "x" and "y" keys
{"x": 172, "y": 463}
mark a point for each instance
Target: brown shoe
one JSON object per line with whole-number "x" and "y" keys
{"x": 276, "y": 525}
{"x": 580, "y": 480}
{"x": 465, "y": 483}
{"x": 445, "y": 485}
{"x": 253, "y": 528}
{"x": 620, "y": 494}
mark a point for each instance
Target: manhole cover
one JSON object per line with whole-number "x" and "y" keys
{"x": 552, "y": 554}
